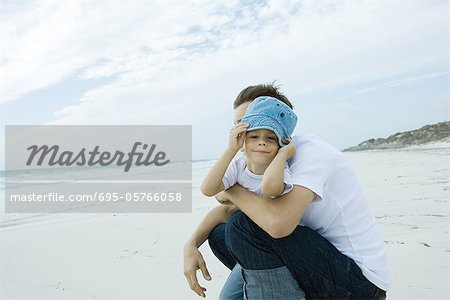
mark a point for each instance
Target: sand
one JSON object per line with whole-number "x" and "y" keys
{"x": 139, "y": 256}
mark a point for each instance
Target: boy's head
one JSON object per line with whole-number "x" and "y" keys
{"x": 270, "y": 113}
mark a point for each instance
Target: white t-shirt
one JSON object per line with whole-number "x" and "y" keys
{"x": 340, "y": 211}
{"x": 238, "y": 172}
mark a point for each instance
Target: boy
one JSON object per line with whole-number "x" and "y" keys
{"x": 263, "y": 134}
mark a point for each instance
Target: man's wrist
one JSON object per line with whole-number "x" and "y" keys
{"x": 190, "y": 243}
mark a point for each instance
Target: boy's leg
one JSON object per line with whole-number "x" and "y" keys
{"x": 319, "y": 268}
{"x": 233, "y": 287}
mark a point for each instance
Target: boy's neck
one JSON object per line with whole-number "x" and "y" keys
{"x": 257, "y": 169}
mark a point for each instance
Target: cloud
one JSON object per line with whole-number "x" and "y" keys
{"x": 180, "y": 62}
{"x": 399, "y": 82}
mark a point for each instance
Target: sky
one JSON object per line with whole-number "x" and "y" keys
{"x": 354, "y": 70}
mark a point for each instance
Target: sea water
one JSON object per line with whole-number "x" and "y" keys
{"x": 199, "y": 170}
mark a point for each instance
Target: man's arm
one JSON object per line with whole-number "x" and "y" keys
{"x": 215, "y": 216}
{"x": 193, "y": 259}
{"x": 277, "y": 218}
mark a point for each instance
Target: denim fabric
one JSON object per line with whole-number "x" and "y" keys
{"x": 316, "y": 265}
{"x": 218, "y": 246}
{"x": 271, "y": 284}
{"x": 268, "y": 284}
{"x": 233, "y": 287}
{"x": 275, "y": 283}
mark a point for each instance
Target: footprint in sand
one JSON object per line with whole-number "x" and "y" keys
{"x": 129, "y": 253}
{"x": 58, "y": 286}
{"x": 125, "y": 254}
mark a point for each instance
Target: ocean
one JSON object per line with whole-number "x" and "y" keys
{"x": 24, "y": 177}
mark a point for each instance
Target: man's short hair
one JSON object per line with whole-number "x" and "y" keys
{"x": 252, "y": 92}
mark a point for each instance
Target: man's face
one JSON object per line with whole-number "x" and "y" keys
{"x": 239, "y": 112}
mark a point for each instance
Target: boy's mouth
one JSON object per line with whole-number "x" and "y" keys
{"x": 261, "y": 151}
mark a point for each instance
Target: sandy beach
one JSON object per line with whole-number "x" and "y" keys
{"x": 139, "y": 256}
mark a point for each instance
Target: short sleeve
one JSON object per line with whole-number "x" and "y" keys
{"x": 231, "y": 175}
{"x": 288, "y": 186}
{"x": 310, "y": 167}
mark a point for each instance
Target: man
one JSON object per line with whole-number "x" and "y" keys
{"x": 322, "y": 233}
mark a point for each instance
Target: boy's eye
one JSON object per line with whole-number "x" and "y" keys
{"x": 271, "y": 138}
{"x": 253, "y": 136}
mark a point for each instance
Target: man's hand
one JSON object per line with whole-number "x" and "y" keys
{"x": 289, "y": 150}
{"x": 193, "y": 261}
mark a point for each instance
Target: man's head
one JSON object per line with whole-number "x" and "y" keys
{"x": 250, "y": 93}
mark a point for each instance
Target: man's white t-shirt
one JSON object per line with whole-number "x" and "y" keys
{"x": 340, "y": 211}
{"x": 238, "y": 172}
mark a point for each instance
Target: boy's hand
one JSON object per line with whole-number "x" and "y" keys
{"x": 220, "y": 197}
{"x": 289, "y": 150}
{"x": 237, "y": 136}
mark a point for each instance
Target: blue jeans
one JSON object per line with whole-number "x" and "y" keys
{"x": 317, "y": 267}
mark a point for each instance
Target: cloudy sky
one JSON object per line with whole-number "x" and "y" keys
{"x": 353, "y": 69}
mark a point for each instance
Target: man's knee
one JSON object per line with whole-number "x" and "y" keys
{"x": 237, "y": 224}
{"x": 216, "y": 237}
{"x": 239, "y": 231}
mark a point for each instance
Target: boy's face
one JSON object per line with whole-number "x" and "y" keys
{"x": 261, "y": 146}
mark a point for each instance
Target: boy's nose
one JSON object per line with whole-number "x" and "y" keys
{"x": 262, "y": 142}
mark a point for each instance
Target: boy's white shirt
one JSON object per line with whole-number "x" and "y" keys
{"x": 340, "y": 211}
{"x": 238, "y": 172}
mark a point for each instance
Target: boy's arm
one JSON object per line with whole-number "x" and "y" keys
{"x": 273, "y": 179}
{"x": 212, "y": 184}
